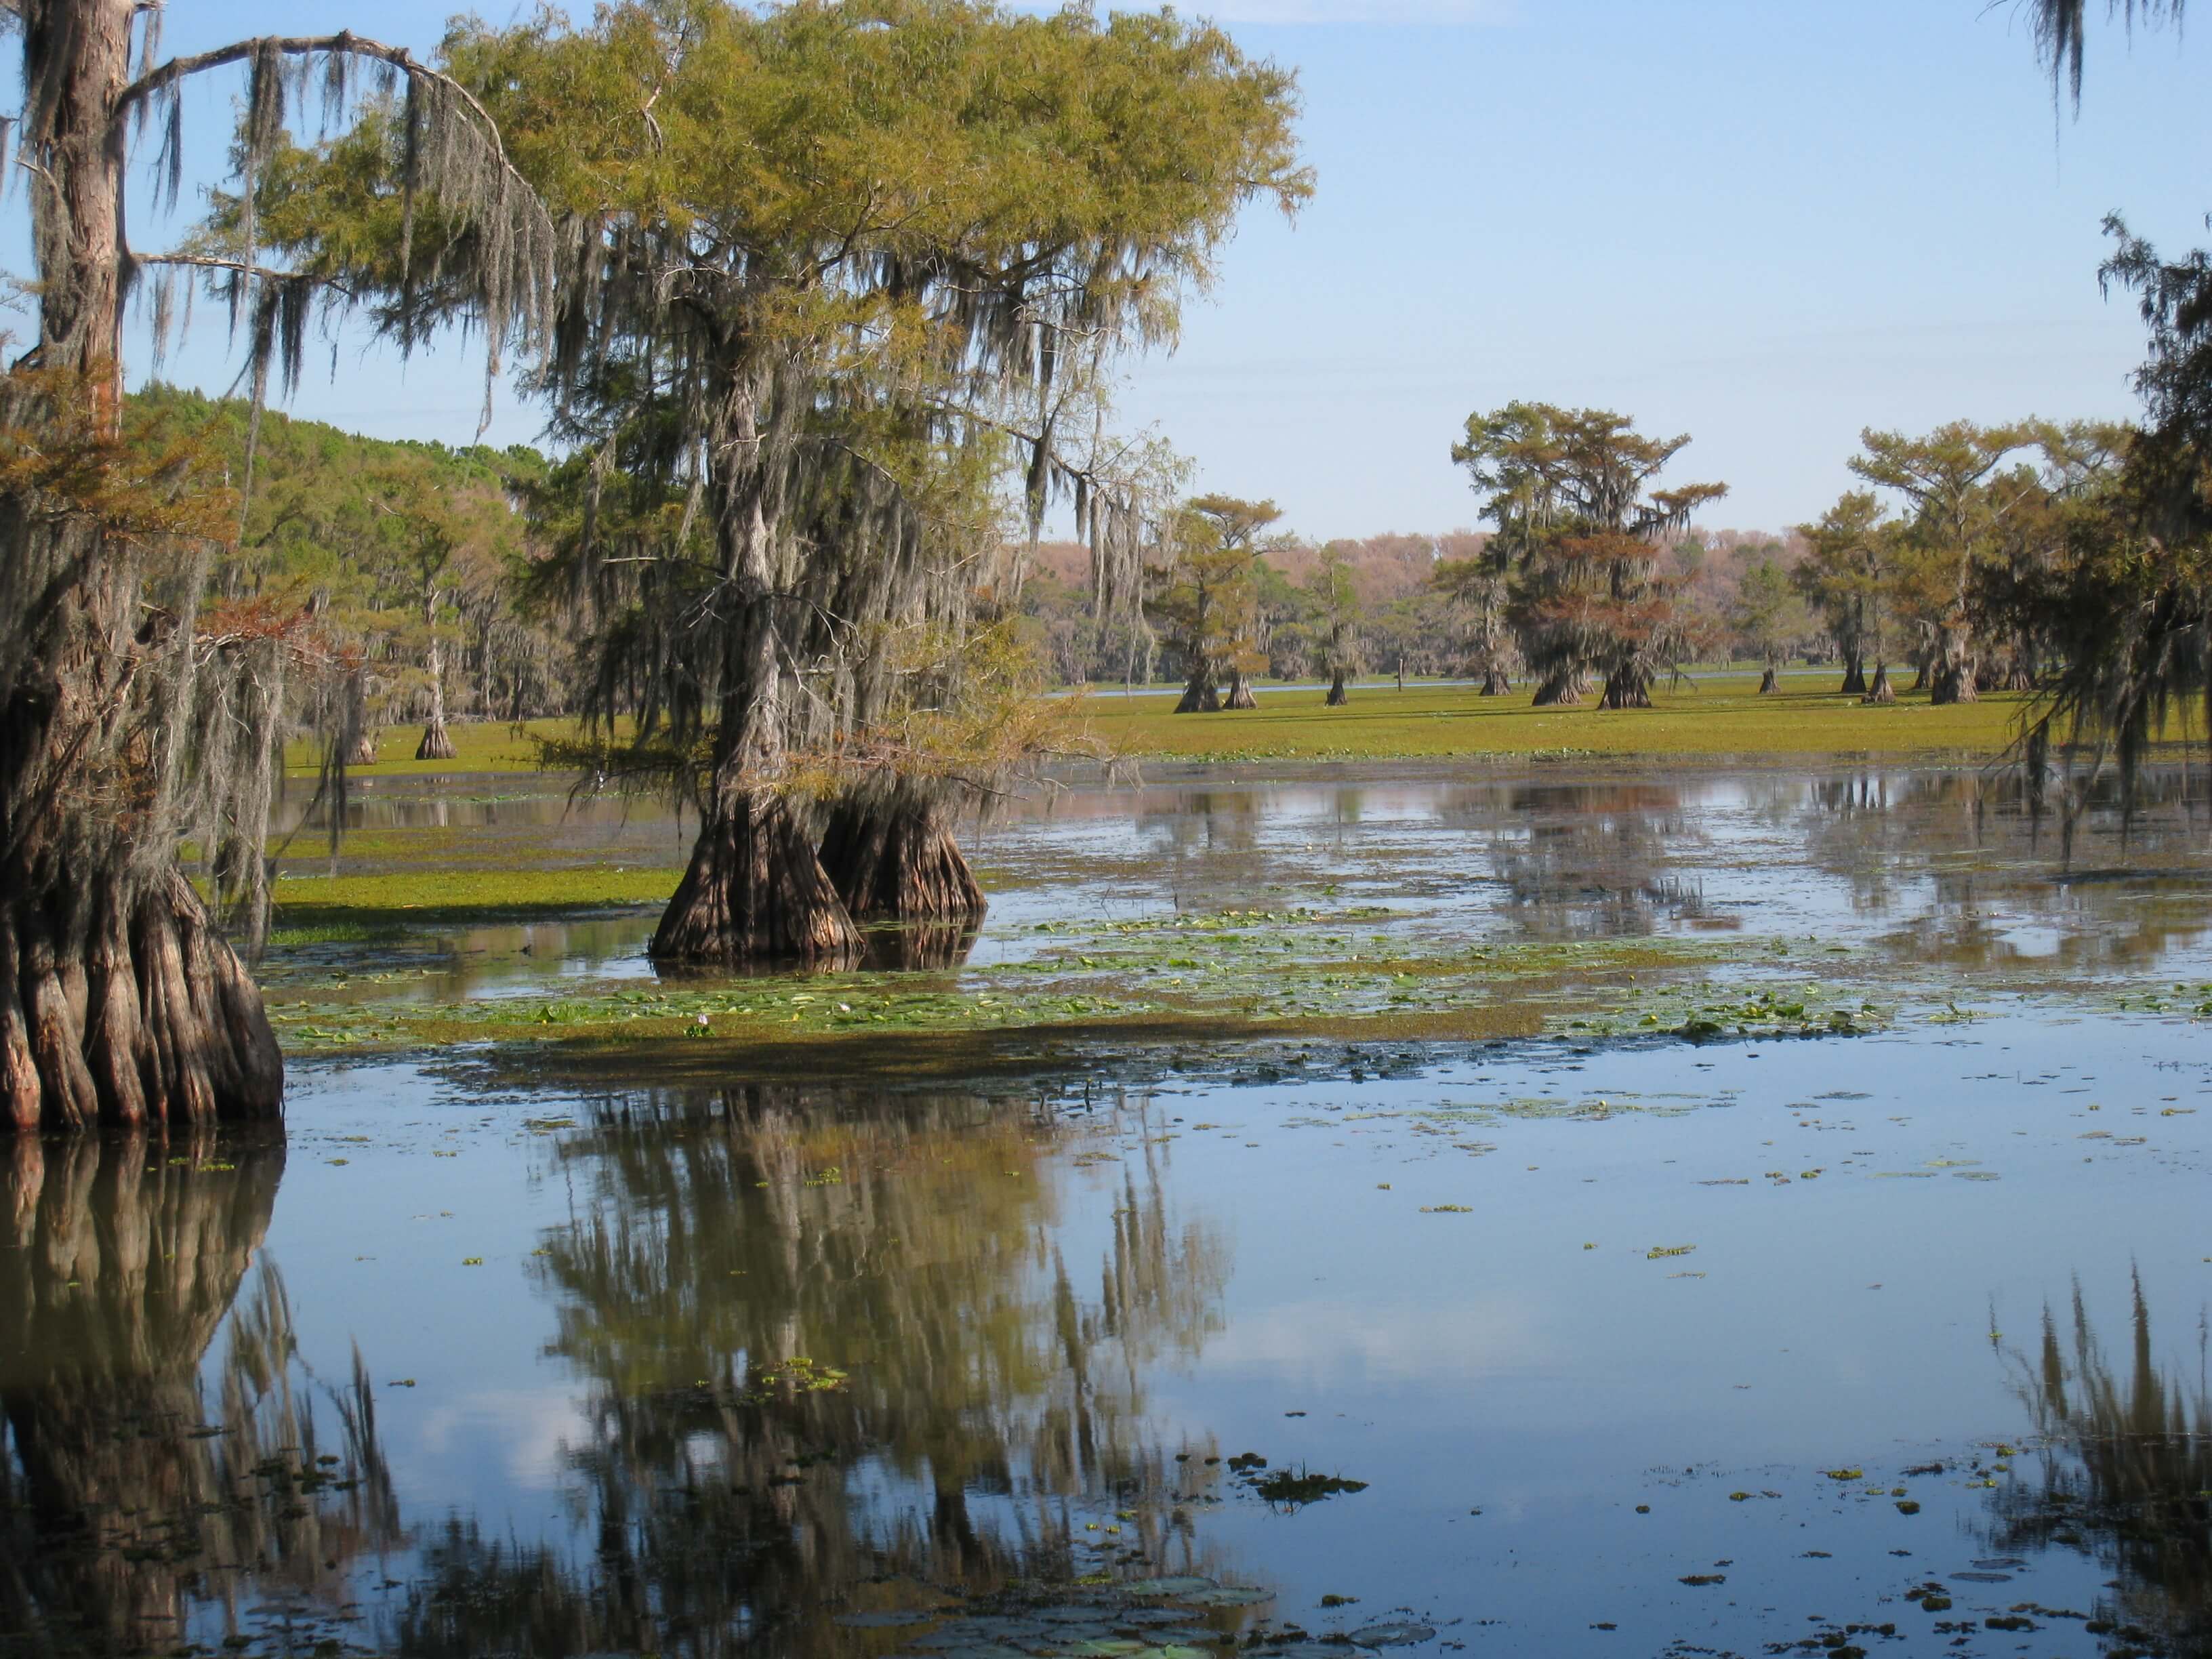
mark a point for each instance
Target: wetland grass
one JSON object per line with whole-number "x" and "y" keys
{"x": 315, "y": 909}
{"x": 1721, "y": 714}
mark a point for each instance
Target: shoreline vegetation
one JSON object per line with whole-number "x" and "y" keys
{"x": 356, "y": 955}
{"x": 1717, "y": 714}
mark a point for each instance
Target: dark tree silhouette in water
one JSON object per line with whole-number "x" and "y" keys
{"x": 146, "y": 1493}
{"x": 132, "y": 713}
{"x": 813, "y": 1329}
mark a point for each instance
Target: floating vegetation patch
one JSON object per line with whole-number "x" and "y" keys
{"x": 1294, "y": 1489}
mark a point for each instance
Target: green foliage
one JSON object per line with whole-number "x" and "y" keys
{"x": 1578, "y": 514}
{"x": 1204, "y": 594}
{"x": 2127, "y": 605}
{"x": 1768, "y": 616}
{"x": 396, "y": 546}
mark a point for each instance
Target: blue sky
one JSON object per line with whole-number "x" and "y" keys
{"x": 1765, "y": 222}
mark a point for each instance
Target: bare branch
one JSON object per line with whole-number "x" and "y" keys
{"x": 239, "y": 267}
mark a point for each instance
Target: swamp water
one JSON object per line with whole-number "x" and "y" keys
{"x": 1569, "y": 1344}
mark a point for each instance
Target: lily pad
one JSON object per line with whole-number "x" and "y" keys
{"x": 881, "y": 1621}
{"x": 1189, "y": 1585}
{"x": 1230, "y": 1597}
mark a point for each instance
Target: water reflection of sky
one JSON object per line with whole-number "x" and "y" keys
{"x": 1939, "y": 868}
{"x": 1871, "y": 1315}
{"x": 1448, "y": 1277}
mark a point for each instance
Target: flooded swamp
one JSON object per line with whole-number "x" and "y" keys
{"x": 1563, "y": 1211}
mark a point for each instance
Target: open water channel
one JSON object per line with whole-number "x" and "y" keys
{"x": 1567, "y": 1344}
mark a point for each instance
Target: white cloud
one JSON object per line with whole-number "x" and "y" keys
{"x": 1323, "y": 1343}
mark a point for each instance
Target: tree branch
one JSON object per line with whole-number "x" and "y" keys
{"x": 299, "y": 45}
{"x": 210, "y": 262}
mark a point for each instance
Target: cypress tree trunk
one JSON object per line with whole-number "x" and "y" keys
{"x": 437, "y": 743}
{"x": 1496, "y": 683}
{"x": 1768, "y": 684}
{"x": 1561, "y": 689}
{"x": 119, "y": 1001}
{"x": 1881, "y": 690}
{"x": 1627, "y": 688}
{"x": 1240, "y": 691}
{"x": 1951, "y": 676}
{"x": 895, "y": 858}
{"x": 754, "y": 891}
{"x": 1337, "y": 696}
{"x": 1855, "y": 681}
{"x": 1202, "y": 696}
{"x": 361, "y": 751}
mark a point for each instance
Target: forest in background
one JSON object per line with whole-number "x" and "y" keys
{"x": 428, "y": 567}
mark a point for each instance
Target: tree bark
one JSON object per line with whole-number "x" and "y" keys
{"x": 1202, "y": 696}
{"x": 895, "y": 860}
{"x": 362, "y": 751}
{"x": 126, "y": 1008}
{"x": 437, "y": 743}
{"x": 1240, "y": 691}
{"x": 120, "y": 1003}
{"x": 1337, "y": 694}
{"x": 1769, "y": 685}
{"x": 1855, "y": 680}
{"x": 754, "y": 891}
{"x": 1881, "y": 690}
{"x": 1627, "y": 688}
{"x": 1953, "y": 682}
{"x": 1561, "y": 690}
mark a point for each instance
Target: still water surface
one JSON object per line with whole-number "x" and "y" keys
{"x": 1631, "y": 1348}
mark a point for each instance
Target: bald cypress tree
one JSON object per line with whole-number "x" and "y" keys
{"x": 785, "y": 233}
{"x": 131, "y": 712}
{"x": 1579, "y": 516}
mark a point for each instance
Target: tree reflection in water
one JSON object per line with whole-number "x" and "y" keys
{"x": 831, "y": 1341}
{"x": 2126, "y": 1480}
{"x": 134, "y": 1490}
